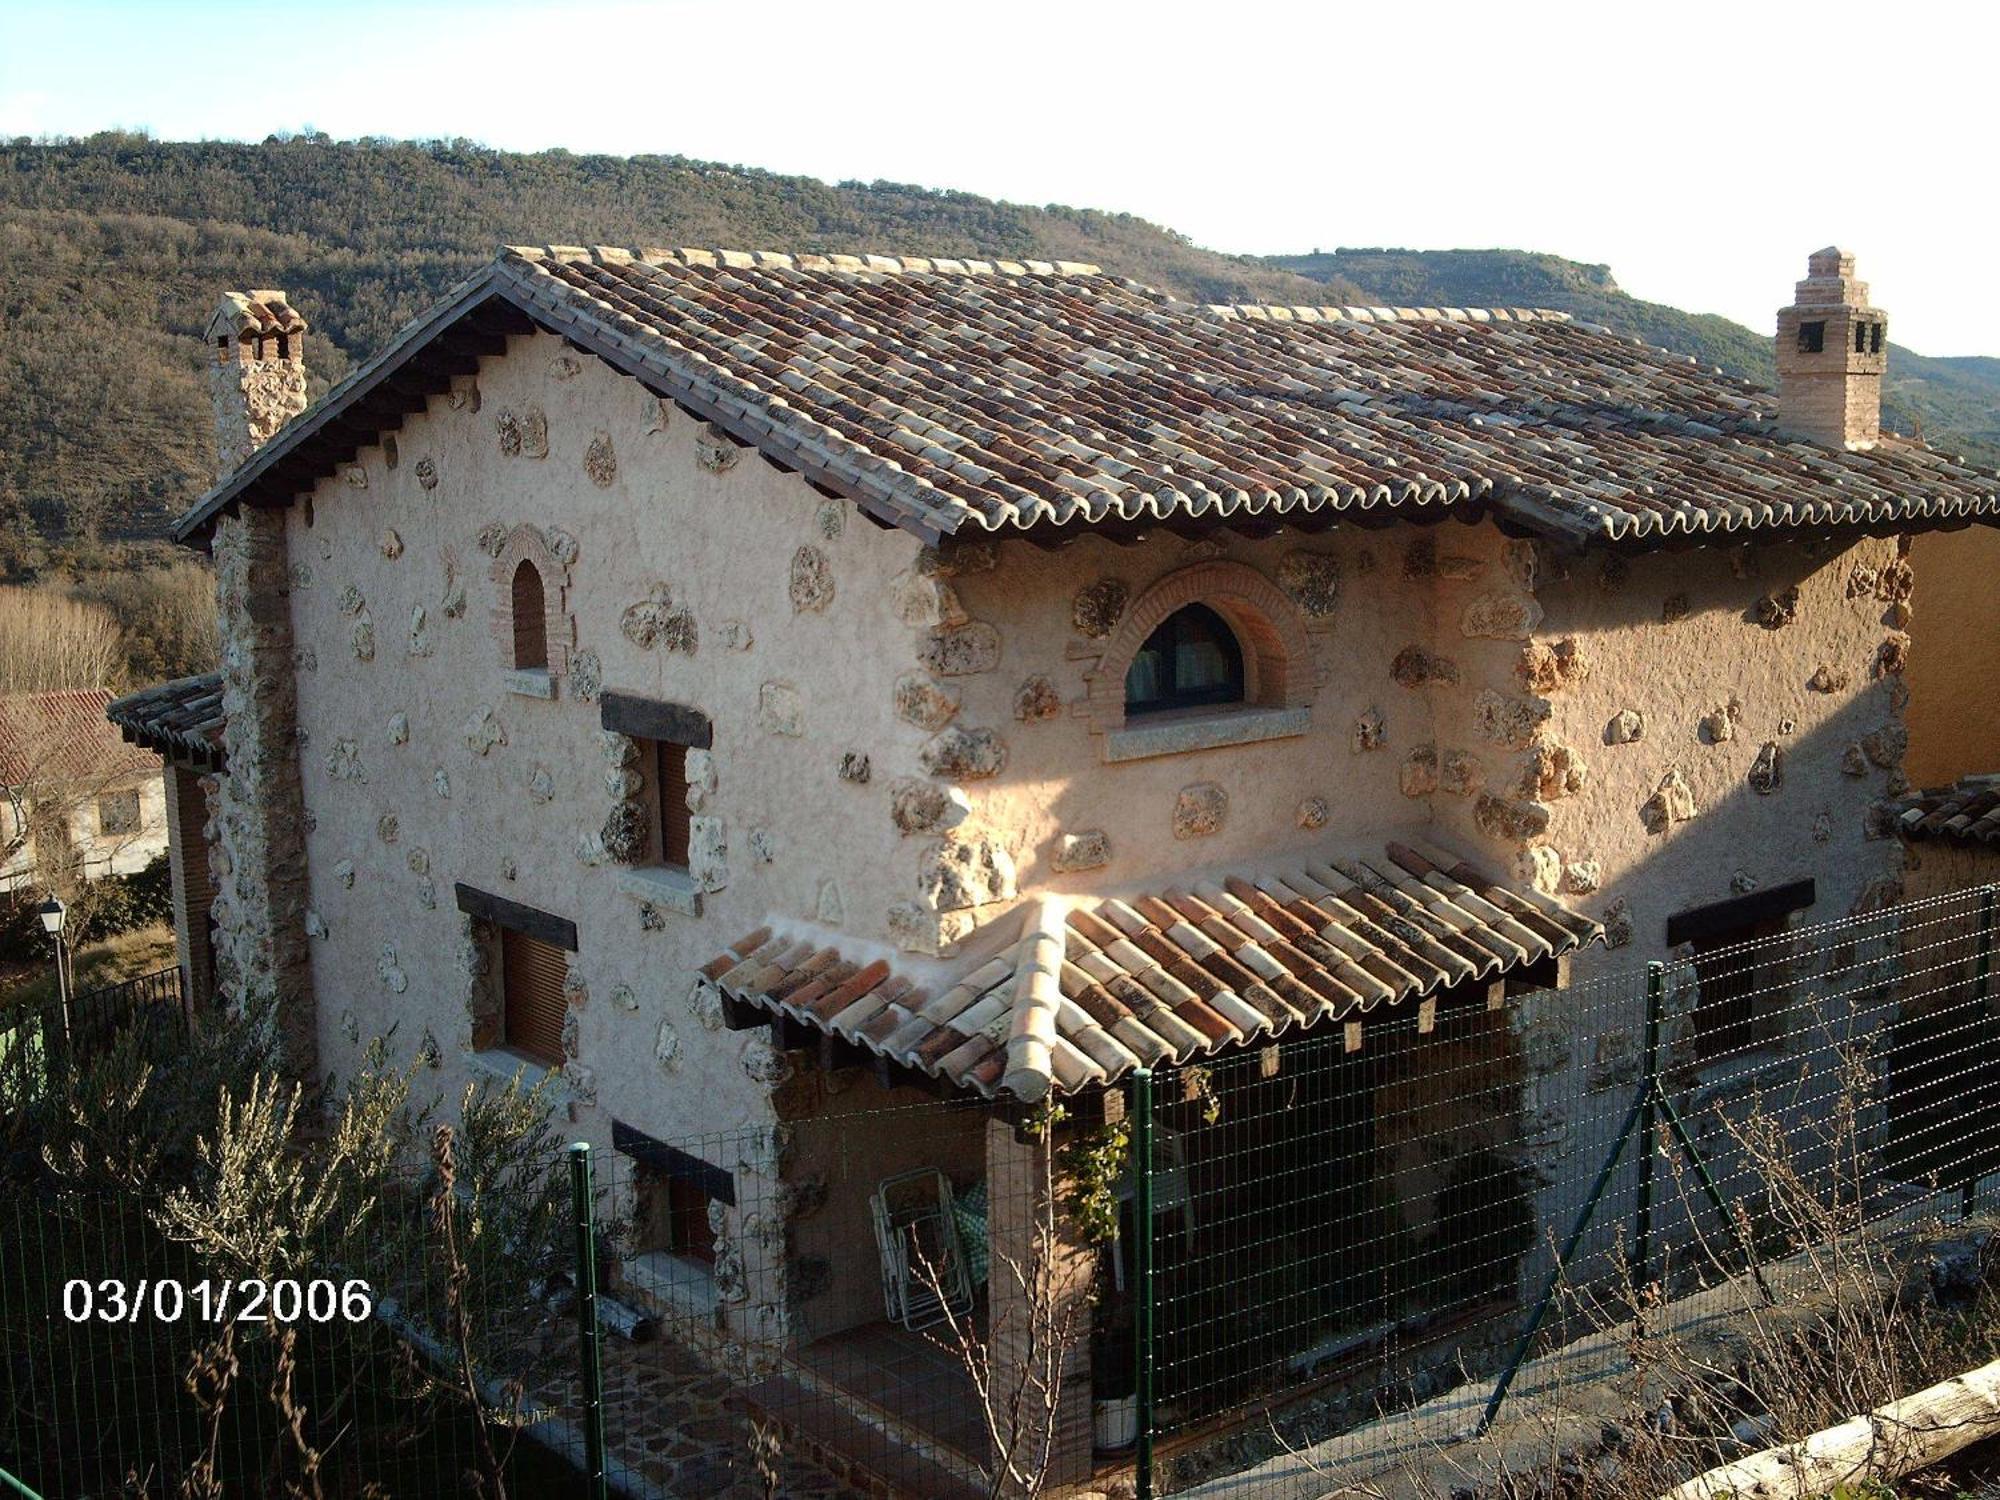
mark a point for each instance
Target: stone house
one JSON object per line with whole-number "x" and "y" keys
{"x": 739, "y": 685}
{"x": 73, "y": 799}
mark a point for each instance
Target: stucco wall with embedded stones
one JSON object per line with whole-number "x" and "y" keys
{"x": 678, "y": 567}
{"x": 1024, "y": 722}
{"x": 1686, "y": 727}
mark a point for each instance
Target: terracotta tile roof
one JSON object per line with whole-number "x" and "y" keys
{"x": 1084, "y": 990}
{"x": 1965, "y": 813}
{"x": 968, "y": 397}
{"x": 63, "y": 736}
{"x": 181, "y": 719}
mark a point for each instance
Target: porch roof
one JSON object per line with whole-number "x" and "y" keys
{"x": 1967, "y": 812}
{"x": 182, "y": 719}
{"x": 1067, "y": 993}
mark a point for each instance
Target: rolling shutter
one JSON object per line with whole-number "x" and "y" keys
{"x": 533, "y": 974}
{"x": 673, "y": 790}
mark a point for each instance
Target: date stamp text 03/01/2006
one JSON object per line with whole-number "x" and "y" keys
{"x": 249, "y": 1301}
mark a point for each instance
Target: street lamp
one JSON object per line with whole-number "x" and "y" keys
{"x": 53, "y": 913}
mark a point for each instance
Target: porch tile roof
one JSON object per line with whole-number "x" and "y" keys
{"x": 181, "y": 719}
{"x": 1967, "y": 812}
{"x": 1083, "y": 990}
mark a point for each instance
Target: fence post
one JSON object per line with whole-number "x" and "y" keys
{"x": 586, "y": 1322}
{"x": 1142, "y": 1231}
{"x": 1642, "y": 1230}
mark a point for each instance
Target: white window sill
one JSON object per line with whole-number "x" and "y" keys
{"x": 1203, "y": 729}
{"x": 678, "y": 1283}
{"x": 662, "y": 885}
{"x": 531, "y": 684}
{"x": 507, "y": 1065}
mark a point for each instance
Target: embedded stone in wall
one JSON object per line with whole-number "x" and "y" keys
{"x": 361, "y": 639}
{"x": 441, "y": 782}
{"x": 302, "y": 575}
{"x": 923, "y": 702}
{"x": 491, "y": 539}
{"x": 1313, "y": 581}
{"x": 854, "y": 767}
{"x": 565, "y": 366}
{"x": 1774, "y": 611}
{"x": 600, "y": 462}
{"x": 1037, "y": 699}
{"x": 1718, "y": 725}
{"x": 357, "y": 477}
{"x": 1420, "y": 558}
{"x": 617, "y": 749}
{"x": 1369, "y": 732}
{"x": 389, "y": 969}
{"x": 343, "y": 872}
{"x": 524, "y": 434}
{"x": 1507, "y": 720}
{"x": 1827, "y": 679}
{"x": 387, "y": 828}
{"x": 764, "y": 1064}
{"x": 427, "y": 895}
{"x": 305, "y": 659}
{"x": 1861, "y": 582}
{"x": 390, "y": 544}
{"x": 963, "y": 754}
{"x": 1553, "y": 771}
{"x": 1460, "y": 773}
{"x": 343, "y": 761}
{"x": 419, "y": 861}
{"x": 1854, "y": 760}
{"x": 1767, "y": 772}
{"x": 1514, "y": 822}
{"x": 315, "y": 924}
{"x": 1672, "y": 802}
{"x": 667, "y": 1047}
{"x": 708, "y": 851}
{"x": 1415, "y": 667}
{"x": 1674, "y": 607}
{"x": 715, "y": 450}
{"x": 623, "y": 837}
{"x": 925, "y": 807}
{"x": 1418, "y": 774}
{"x": 1501, "y": 617}
{"x": 1582, "y": 876}
{"x": 1625, "y": 727}
{"x": 959, "y": 874}
{"x": 399, "y": 729}
{"x": 1089, "y": 850}
{"x": 1892, "y": 655}
{"x": 736, "y": 636}
{"x": 483, "y": 731}
{"x": 427, "y": 473}
{"x": 586, "y": 676}
{"x": 451, "y": 597}
{"x": 1886, "y": 747}
{"x": 351, "y": 600}
{"x": 811, "y": 585}
{"x": 1456, "y": 568}
{"x": 1545, "y": 668}
{"x": 923, "y": 600}
{"x": 541, "y": 782}
{"x": 1199, "y": 810}
{"x": 763, "y": 846}
{"x": 1098, "y": 606}
{"x": 780, "y": 710}
{"x": 623, "y": 783}
{"x": 1313, "y": 813}
{"x": 1541, "y": 867}
{"x": 657, "y": 621}
{"x": 420, "y": 635}
{"x": 698, "y": 769}
{"x": 961, "y": 650}
{"x": 829, "y": 910}
{"x": 1617, "y": 923}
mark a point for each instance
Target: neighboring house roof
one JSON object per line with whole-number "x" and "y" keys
{"x": 63, "y": 736}
{"x": 181, "y": 719}
{"x": 955, "y": 397}
{"x": 1965, "y": 813}
{"x": 1087, "y": 989}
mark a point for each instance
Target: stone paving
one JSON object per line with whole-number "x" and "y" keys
{"x": 675, "y": 1427}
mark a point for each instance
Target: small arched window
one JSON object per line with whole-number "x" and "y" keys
{"x": 1192, "y": 659}
{"x": 531, "y": 620}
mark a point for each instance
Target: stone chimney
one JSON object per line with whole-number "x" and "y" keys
{"x": 1832, "y": 349}
{"x": 258, "y": 379}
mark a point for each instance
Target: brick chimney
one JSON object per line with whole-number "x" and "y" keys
{"x": 258, "y": 379}
{"x": 1832, "y": 349}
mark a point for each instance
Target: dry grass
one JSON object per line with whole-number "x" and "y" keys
{"x": 146, "y": 950}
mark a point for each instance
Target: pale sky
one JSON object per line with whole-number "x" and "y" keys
{"x": 1701, "y": 150}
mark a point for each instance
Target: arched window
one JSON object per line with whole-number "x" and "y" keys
{"x": 531, "y": 620}
{"x": 1190, "y": 660}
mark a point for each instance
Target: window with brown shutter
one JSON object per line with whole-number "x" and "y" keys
{"x": 533, "y": 974}
{"x": 670, "y": 793}
{"x": 531, "y": 621}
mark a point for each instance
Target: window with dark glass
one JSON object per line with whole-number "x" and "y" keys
{"x": 531, "y": 625}
{"x": 1192, "y": 660}
{"x": 118, "y": 812}
{"x": 1874, "y": 338}
{"x": 1812, "y": 337}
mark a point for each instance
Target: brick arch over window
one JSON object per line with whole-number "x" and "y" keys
{"x": 527, "y": 544}
{"x": 1277, "y": 654}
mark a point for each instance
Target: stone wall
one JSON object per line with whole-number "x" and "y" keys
{"x": 679, "y": 567}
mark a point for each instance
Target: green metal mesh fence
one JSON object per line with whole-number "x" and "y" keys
{"x": 1360, "y": 1239}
